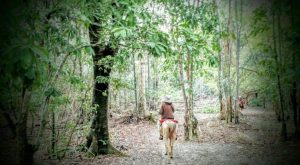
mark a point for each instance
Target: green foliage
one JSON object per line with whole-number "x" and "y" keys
{"x": 60, "y": 100}
{"x": 45, "y": 50}
{"x": 117, "y": 83}
{"x": 259, "y": 21}
{"x": 255, "y": 102}
{"x": 41, "y": 47}
{"x": 52, "y": 91}
{"x": 207, "y": 14}
{"x": 208, "y": 109}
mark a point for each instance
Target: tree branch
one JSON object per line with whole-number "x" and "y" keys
{"x": 249, "y": 70}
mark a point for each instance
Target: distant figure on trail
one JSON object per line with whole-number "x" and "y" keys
{"x": 241, "y": 102}
{"x": 167, "y": 126}
{"x": 166, "y": 112}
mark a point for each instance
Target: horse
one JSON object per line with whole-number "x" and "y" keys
{"x": 169, "y": 135}
{"x": 241, "y": 102}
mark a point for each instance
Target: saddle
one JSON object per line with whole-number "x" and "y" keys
{"x": 162, "y": 120}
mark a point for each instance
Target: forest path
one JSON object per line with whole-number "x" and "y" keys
{"x": 253, "y": 141}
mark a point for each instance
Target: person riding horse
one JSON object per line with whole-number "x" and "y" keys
{"x": 241, "y": 102}
{"x": 166, "y": 112}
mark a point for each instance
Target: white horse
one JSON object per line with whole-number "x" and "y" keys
{"x": 169, "y": 134}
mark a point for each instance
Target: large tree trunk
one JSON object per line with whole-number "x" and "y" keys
{"x": 229, "y": 109}
{"x": 227, "y": 69}
{"x": 190, "y": 121}
{"x": 142, "y": 96}
{"x": 98, "y": 139}
{"x": 148, "y": 95}
{"x": 154, "y": 84}
{"x": 277, "y": 63}
{"x": 53, "y": 134}
{"x": 238, "y": 32}
{"x": 221, "y": 60}
{"x": 135, "y": 112}
{"x": 294, "y": 91}
{"x": 220, "y": 84}
{"x": 222, "y": 108}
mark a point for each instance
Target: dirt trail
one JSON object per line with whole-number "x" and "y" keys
{"x": 253, "y": 141}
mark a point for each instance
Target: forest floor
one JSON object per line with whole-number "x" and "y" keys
{"x": 254, "y": 141}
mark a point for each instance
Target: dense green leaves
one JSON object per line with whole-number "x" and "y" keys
{"x": 45, "y": 51}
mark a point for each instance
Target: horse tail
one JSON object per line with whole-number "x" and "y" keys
{"x": 172, "y": 128}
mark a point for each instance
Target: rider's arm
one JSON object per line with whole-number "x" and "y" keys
{"x": 173, "y": 109}
{"x": 161, "y": 112}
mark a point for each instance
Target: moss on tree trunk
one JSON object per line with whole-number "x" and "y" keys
{"x": 98, "y": 138}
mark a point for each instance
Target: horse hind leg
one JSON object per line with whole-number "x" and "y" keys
{"x": 165, "y": 137}
{"x": 166, "y": 145}
{"x": 172, "y": 140}
{"x": 170, "y": 149}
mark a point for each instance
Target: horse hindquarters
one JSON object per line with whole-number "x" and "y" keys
{"x": 169, "y": 132}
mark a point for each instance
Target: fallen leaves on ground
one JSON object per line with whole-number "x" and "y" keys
{"x": 255, "y": 140}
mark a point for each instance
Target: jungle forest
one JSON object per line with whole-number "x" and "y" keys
{"x": 86, "y": 82}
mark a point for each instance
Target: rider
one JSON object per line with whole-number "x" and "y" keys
{"x": 241, "y": 102}
{"x": 166, "y": 112}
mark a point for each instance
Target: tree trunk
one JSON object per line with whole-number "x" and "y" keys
{"x": 193, "y": 122}
{"x": 110, "y": 98}
{"x": 148, "y": 95}
{"x": 220, "y": 85}
{"x": 98, "y": 139}
{"x": 25, "y": 150}
{"x": 190, "y": 123}
{"x": 53, "y": 133}
{"x": 227, "y": 69}
{"x": 238, "y": 32}
{"x": 277, "y": 63}
{"x": 220, "y": 70}
{"x": 142, "y": 96}
{"x": 222, "y": 109}
{"x": 155, "y": 84}
{"x": 229, "y": 109}
{"x": 135, "y": 113}
{"x": 190, "y": 81}
{"x": 294, "y": 81}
